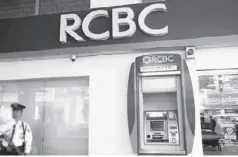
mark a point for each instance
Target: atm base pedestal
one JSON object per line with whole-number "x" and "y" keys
{"x": 155, "y": 152}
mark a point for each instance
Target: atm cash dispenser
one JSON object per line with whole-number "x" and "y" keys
{"x": 161, "y": 127}
{"x": 159, "y": 123}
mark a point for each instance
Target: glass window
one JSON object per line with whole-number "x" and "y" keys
{"x": 56, "y": 110}
{"x": 219, "y": 114}
{"x": 66, "y": 122}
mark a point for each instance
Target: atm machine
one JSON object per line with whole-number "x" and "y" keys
{"x": 160, "y": 126}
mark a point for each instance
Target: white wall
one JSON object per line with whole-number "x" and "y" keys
{"x": 109, "y": 3}
{"x": 108, "y": 128}
{"x": 217, "y": 58}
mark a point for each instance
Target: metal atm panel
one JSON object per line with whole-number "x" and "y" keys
{"x": 161, "y": 111}
{"x": 159, "y": 104}
{"x": 157, "y": 79}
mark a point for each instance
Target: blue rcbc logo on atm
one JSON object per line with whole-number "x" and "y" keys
{"x": 147, "y": 60}
{"x": 158, "y": 62}
{"x": 158, "y": 59}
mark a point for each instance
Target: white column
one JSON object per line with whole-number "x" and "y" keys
{"x": 197, "y": 146}
{"x": 37, "y": 7}
{"x": 109, "y": 3}
{"x": 108, "y": 126}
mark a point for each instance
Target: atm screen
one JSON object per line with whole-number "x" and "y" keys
{"x": 157, "y": 126}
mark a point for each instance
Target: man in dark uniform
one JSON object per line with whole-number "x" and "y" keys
{"x": 212, "y": 124}
{"x": 18, "y": 138}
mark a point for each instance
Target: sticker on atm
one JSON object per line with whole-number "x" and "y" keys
{"x": 159, "y": 68}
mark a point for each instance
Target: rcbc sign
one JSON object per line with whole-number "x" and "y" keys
{"x": 158, "y": 59}
{"x": 158, "y": 62}
{"x": 116, "y": 21}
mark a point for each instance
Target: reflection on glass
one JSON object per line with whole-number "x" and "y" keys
{"x": 37, "y": 114}
{"x": 56, "y": 111}
{"x": 219, "y": 114}
{"x": 64, "y": 119}
{"x": 5, "y": 114}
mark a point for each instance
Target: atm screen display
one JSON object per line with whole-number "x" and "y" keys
{"x": 157, "y": 126}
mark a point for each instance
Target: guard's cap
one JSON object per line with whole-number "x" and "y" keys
{"x": 17, "y": 106}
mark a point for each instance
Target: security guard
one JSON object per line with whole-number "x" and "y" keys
{"x": 18, "y": 138}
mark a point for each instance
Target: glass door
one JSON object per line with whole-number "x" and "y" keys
{"x": 56, "y": 110}
{"x": 24, "y": 92}
{"x": 66, "y": 112}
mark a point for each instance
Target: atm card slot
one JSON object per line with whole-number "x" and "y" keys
{"x": 157, "y": 133}
{"x": 157, "y": 137}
